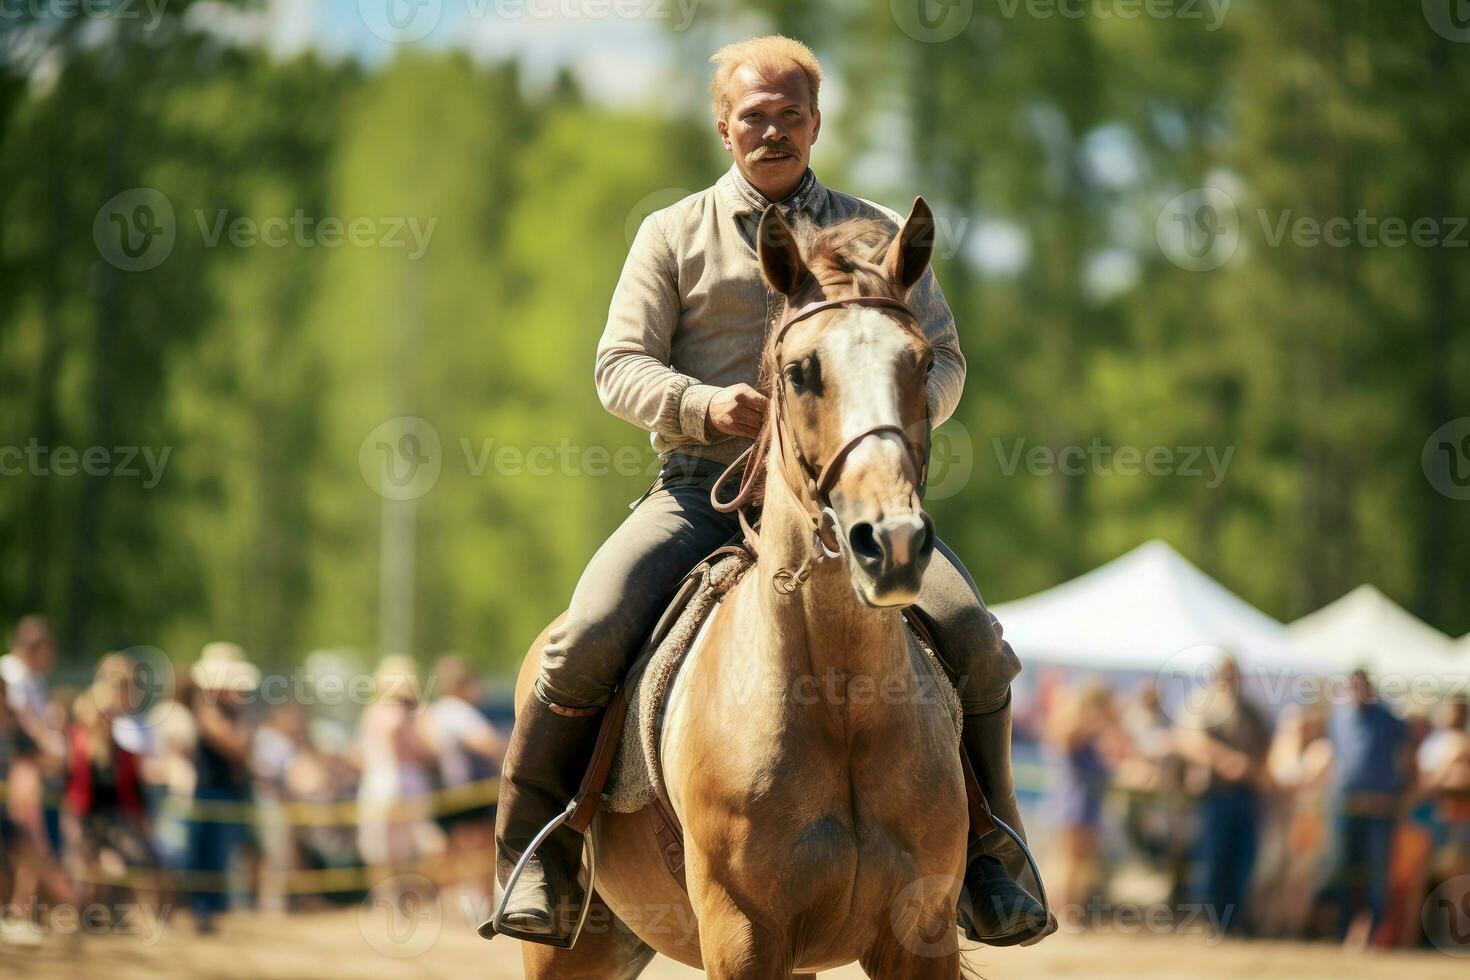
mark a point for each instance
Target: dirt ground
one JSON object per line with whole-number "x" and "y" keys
{"x": 435, "y": 942}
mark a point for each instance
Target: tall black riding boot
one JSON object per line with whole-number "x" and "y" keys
{"x": 994, "y": 909}
{"x": 550, "y": 748}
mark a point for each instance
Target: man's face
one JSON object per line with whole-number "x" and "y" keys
{"x": 770, "y": 128}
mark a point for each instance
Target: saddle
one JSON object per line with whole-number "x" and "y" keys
{"x": 624, "y": 773}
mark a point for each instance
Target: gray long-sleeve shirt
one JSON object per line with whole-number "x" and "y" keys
{"x": 691, "y": 310}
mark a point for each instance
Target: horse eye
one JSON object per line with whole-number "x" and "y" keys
{"x": 795, "y": 375}
{"x": 805, "y": 376}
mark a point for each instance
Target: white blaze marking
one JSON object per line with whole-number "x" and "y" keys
{"x": 864, "y": 349}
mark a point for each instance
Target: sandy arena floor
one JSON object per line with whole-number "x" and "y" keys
{"x": 345, "y": 943}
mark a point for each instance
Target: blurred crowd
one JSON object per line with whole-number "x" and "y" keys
{"x": 210, "y": 789}
{"x": 204, "y": 788}
{"x": 1323, "y": 821}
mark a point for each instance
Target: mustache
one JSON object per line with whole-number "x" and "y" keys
{"x": 766, "y": 149}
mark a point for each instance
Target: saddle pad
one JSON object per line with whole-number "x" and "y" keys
{"x": 631, "y": 785}
{"x": 636, "y": 778}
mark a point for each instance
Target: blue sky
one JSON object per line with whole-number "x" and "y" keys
{"x": 621, "y": 50}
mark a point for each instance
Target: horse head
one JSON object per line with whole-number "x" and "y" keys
{"x": 846, "y": 372}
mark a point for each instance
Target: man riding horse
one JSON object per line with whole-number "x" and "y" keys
{"x": 679, "y": 357}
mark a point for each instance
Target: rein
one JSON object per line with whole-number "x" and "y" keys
{"x": 819, "y": 479}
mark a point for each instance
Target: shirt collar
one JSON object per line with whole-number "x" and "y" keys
{"x": 745, "y": 199}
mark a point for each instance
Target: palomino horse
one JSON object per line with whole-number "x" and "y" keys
{"x": 824, "y": 818}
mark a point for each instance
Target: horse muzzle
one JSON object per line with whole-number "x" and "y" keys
{"x": 887, "y": 557}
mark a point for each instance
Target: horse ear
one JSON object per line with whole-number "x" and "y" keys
{"x": 780, "y": 258}
{"x": 910, "y": 251}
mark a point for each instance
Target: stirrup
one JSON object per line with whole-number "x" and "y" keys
{"x": 496, "y": 924}
{"x": 1035, "y": 873}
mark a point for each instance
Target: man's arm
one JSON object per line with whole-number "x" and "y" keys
{"x": 633, "y": 376}
{"x": 947, "y": 379}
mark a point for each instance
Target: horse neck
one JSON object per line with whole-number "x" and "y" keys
{"x": 823, "y": 629}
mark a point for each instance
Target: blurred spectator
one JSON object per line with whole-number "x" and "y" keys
{"x": 1296, "y": 834}
{"x": 17, "y": 854}
{"x": 105, "y": 820}
{"x": 469, "y": 750}
{"x": 277, "y": 741}
{"x": 169, "y": 775}
{"x": 1084, "y": 734}
{"x": 394, "y": 829}
{"x": 319, "y": 774}
{"x": 217, "y": 825}
{"x": 1226, "y": 739}
{"x": 41, "y": 746}
{"x": 1369, "y": 744}
{"x": 36, "y": 751}
{"x": 1444, "y": 777}
{"x": 1157, "y": 816}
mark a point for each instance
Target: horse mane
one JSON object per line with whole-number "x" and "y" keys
{"x": 851, "y": 249}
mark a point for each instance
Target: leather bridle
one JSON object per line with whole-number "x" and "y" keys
{"x": 820, "y": 479}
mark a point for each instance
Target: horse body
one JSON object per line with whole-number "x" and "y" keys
{"x": 816, "y": 774}
{"x": 795, "y": 758}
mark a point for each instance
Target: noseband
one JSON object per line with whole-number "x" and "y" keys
{"x": 819, "y": 479}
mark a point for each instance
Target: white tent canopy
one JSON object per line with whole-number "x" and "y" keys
{"x": 1146, "y": 610}
{"x": 1365, "y": 628}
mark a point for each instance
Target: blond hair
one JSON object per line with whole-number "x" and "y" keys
{"x": 768, "y": 55}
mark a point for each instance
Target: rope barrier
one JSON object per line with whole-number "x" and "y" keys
{"x": 306, "y": 881}
{"x": 339, "y": 813}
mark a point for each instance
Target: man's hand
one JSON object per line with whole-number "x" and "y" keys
{"x": 737, "y": 410}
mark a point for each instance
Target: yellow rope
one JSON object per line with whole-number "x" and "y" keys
{"x": 303, "y": 813}
{"x": 318, "y": 881}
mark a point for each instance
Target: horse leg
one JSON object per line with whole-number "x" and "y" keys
{"x": 916, "y": 938}
{"x": 735, "y": 947}
{"x": 606, "y": 950}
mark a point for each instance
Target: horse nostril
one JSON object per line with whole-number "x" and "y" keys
{"x": 864, "y": 542}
